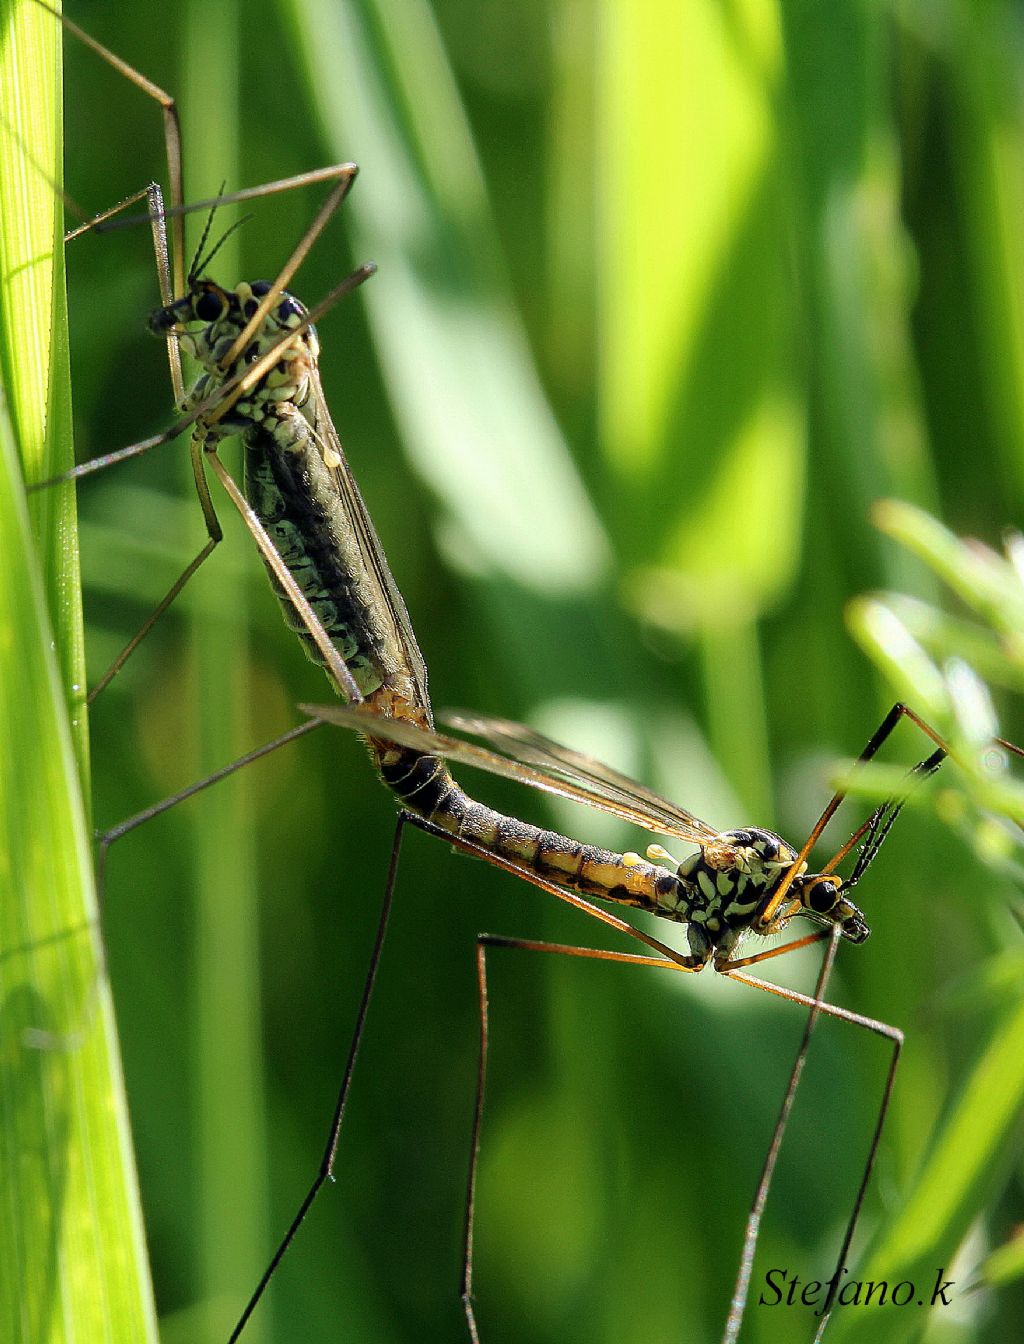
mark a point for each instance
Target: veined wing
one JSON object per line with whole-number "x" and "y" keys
{"x": 637, "y": 808}
{"x": 528, "y": 745}
{"x": 385, "y": 595}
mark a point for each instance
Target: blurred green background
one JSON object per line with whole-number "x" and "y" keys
{"x": 669, "y": 293}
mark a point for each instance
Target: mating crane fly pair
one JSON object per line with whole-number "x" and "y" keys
{"x": 258, "y": 350}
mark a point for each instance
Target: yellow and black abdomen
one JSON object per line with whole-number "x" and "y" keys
{"x": 424, "y": 785}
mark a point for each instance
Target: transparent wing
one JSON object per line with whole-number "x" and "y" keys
{"x": 616, "y": 795}
{"x": 527, "y": 745}
{"x": 386, "y": 597}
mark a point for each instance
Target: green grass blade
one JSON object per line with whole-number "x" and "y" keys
{"x": 232, "y": 1233}
{"x": 72, "y": 1260}
{"x": 453, "y": 350}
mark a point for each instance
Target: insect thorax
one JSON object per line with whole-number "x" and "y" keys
{"x": 729, "y": 883}
{"x": 290, "y": 466}
{"x": 224, "y": 314}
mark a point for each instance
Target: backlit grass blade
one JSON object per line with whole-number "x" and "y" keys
{"x": 454, "y": 351}
{"x": 72, "y": 1261}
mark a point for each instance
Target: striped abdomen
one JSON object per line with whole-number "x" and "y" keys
{"x": 295, "y": 493}
{"x": 425, "y": 786}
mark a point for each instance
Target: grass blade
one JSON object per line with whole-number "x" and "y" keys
{"x": 72, "y": 1260}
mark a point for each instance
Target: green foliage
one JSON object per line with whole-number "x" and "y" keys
{"x": 669, "y": 295}
{"x": 71, "y": 1249}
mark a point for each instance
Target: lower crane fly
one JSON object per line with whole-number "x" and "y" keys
{"x": 258, "y": 350}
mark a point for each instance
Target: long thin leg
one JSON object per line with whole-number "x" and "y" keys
{"x": 741, "y": 1290}
{"x": 170, "y": 262}
{"x": 686, "y": 963}
{"x": 816, "y": 1006}
{"x": 330, "y": 172}
{"x": 895, "y": 1037}
{"x": 878, "y": 737}
{"x": 876, "y": 1138}
{"x": 483, "y": 942}
{"x": 212, "y": 408}
{"x": 172, "y": 279}
{"x": 209, "y": 412}
{"x": 347, "y": 175}
{"x": 93, "y": 222}
{"x": 736, "y": 963}
{"x": 172, "y": 131}
{"x": 672, "y": 959}
{"x": 469, "y": 1214}
{"x": 325, "y": 1171}
{"x": 168, "y": 598}
{"x": 45, "y": 1040}
{"x": 115, "y": 833}
{"x": 156, "y": 216}
{"x": 881, "y": 821}
{"x": 667, "y": 958}
{"x": 333, "y": 661}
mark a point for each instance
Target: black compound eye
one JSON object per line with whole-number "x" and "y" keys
{"x": 822, "y": 897}
{"x": 210, "y": 306}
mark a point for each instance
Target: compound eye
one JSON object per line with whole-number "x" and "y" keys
{"x": 287, "y": 309}
{"x": 822, "y": 897}
{"x": 210, "y": 306}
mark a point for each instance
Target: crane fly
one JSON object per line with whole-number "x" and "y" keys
{"x": 305, "y": 500}
{"x": 258, "y": 350}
